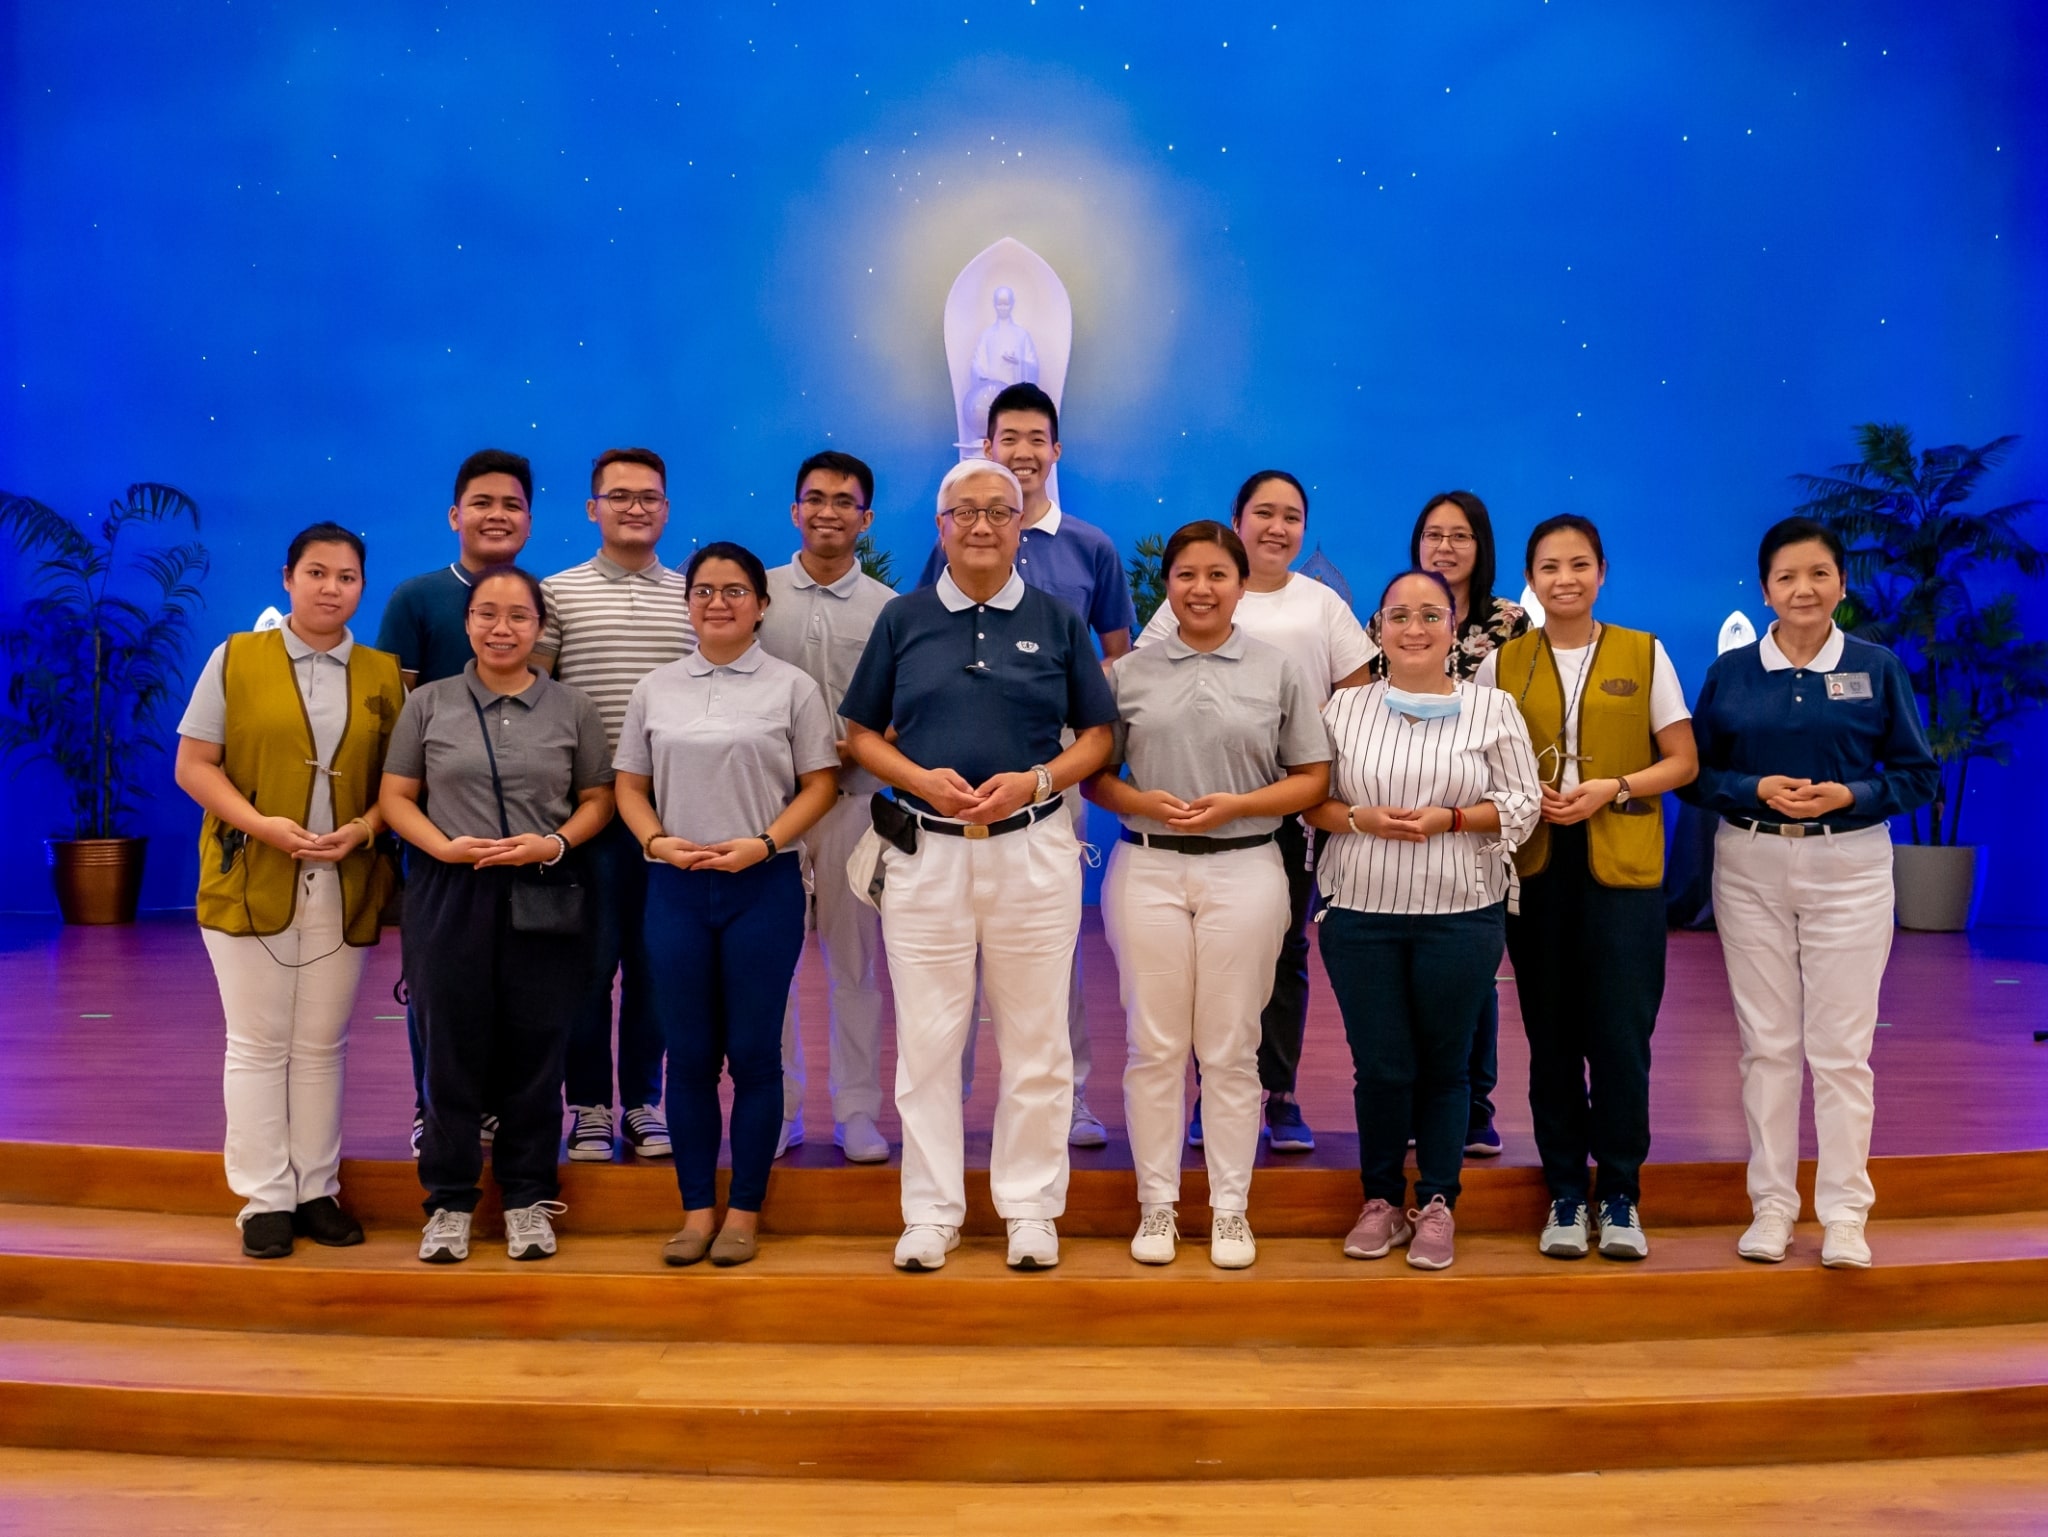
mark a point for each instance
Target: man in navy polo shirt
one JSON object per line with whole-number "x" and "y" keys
{"x": 1077, "y": 563}
{"x": 426, "y": 623}
{"x": 978, "y": 675}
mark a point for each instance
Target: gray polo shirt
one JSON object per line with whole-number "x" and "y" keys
{"x": 1227, "y": 721}
{"x": 823, "y": 628}
{"x": 549, "y": 742}
{"x": 323, "y": 684}
{"x": 723, "y": 744}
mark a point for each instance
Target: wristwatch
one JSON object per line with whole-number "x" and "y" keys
{"x": 1621, "y": 795}
{"x": 1044, "y": 790}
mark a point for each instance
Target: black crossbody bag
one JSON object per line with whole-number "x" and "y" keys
{"x": 546, "y": 899}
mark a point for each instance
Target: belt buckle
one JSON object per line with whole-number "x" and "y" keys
{"x": 974, "y": 830}
{"x": 1792, "y": 829}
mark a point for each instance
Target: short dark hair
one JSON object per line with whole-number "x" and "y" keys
{"x": 1798, "y": 531}
{"x": 1402, "y": 576}
{"x": 1024, "y": 397}
{"x": 1246, "y": 491}
{"x": 646, "y": 456}
{"x": 495, "y": 461}
{"x": 324, "y": 533}
{"x": 832, "y": 460}
{"x": 1479, "y": 600}
{"x": 1563, "y": 523}
{"x": 739, "y": 555}
{"x": 1206, "y": 531}
{"x": 517, "y": 574}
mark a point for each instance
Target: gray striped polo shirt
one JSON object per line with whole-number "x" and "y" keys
{"x": 607, "y": 628}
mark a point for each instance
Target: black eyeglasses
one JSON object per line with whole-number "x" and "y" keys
{"x": 733, "y": 593}
{"x": 818, "y": 501}
{"x": 619, "y": 501}
{"x": 997, "y": 516}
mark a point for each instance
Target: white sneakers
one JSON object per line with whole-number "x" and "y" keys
{"x": 1767, "y": 1239}
{"x": 1158, "y": 1236}
{"x": 1034, "y": 1243}
{"x": 858, "y": 1138}
{"x": 1843, "y": 1247}
{"x": 1621, "y": 1230}
{"x": 529, "y": 1232}
{"x": 925, "y": 1245}
{"x": 1568, "y": 1233}
{"x": 1230, "y": 1241}
{"x": 446, "y": 1239}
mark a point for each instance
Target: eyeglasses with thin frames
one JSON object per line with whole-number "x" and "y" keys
{"x": 620, "y": 500}
{"x": 1449, "y": 539}
{"x": 1400, "y": 618}
{"x": 818, "y": 501}
{"x": 733, "y": 593}
{"x": 997, "y": 516}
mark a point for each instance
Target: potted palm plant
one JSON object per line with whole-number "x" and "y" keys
{"x": 94, "y": 665}
{"x": 1913, "y": 548}
{"x": 1147, "y": 578}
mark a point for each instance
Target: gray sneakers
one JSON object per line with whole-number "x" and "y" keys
{"x": 529, "y": 1230}
{"x": 446, "y": 1239}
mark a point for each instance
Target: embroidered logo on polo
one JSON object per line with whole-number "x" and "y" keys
{"x": 1028, "y": 647}
{"x": 1622, "y": 686}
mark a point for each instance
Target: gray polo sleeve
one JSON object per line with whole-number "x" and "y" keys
{"x": 1120, "y": 733}
{"x": 813, "y": 744}
{"x": 1303, "y": 736}
{"x": 633, "y": 756}
{"x": 592, "y": 764}
{"x": 406, "y": 753}
{"x": 206, "y": 717}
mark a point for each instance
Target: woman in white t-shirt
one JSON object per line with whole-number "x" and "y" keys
{"x": 1607, "y": 718}
{"x": 1310, "y": 623}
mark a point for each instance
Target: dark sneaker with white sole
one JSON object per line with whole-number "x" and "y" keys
{"x": 1286, "y": 1131}
{"x": 1621, "y": 1230}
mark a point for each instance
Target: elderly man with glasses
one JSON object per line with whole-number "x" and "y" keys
{"x": 977, "y": 676}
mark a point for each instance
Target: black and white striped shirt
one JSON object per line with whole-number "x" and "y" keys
{"x": 1384, "y": 759}
{"x": 607, "y": 628}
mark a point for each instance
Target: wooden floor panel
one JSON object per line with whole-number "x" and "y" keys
{"x": 88, "y": 1494}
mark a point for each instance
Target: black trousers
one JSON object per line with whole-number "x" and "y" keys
{"x": 1284, "y": 1020}
{"x": 1589, "y": 968}
{"x": 494, "y": 1008}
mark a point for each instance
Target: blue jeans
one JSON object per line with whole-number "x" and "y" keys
{"x": 723, "y": 949}
{"x": 1411, "y": 988}
{"x": 617, "y": 872}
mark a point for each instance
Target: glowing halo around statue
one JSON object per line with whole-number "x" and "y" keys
{"x": 1008, "y": 321}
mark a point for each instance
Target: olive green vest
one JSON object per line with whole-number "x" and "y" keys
{"x": 1624, "y": 845}
{"x": 267, "y": 757}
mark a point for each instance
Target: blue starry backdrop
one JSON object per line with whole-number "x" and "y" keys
{"x": 1642, "y": 263}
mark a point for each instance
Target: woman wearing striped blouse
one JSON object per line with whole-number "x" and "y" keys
{"x": 1434, "y": 784}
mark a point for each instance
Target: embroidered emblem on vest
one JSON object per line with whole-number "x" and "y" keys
{"x": 1621, "y": 686}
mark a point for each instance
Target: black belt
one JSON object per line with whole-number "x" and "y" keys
{"x": 1195, "y": 845}
{"x": 1022, "y": 819}
{"x": 1789, "y": 829}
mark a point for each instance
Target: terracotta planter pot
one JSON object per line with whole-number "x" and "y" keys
{"x": 1936, "y": 887}
{"x": 98, "y": 880}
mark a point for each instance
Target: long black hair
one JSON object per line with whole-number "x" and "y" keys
{"x": 1479, "y": 602}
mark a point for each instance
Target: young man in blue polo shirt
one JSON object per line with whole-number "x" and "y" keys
{"x": 1077, "y": 563}
{"x": 979, "y": 675}
{"x": 426, "y": 622}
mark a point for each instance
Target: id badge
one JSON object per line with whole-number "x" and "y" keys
{"x": 1848, "y": 685}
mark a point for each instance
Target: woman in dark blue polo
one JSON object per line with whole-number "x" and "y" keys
{"x": 1809, "y": 741}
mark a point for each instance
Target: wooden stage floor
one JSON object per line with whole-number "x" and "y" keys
{"x": 113, "y": 1036}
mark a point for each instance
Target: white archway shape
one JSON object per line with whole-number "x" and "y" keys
{"x": 1039, "y": 306}
{"x": 1736, "y": 632}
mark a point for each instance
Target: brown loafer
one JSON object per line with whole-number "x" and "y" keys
{"x": 731, "y": 1249}
{"x": 686, "y": 1248}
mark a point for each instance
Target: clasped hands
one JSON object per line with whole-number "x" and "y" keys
{"x": 996, "y": 797}
{"x": 1414, "y": 824}
{"x": 1802, "y": 799}
{"x": 1565, "y": 808}
{"x": 1200, "y": 815}
{"x": 289, "y": 837}
{"x": 525, "y": 849}
{"x": 731, "y": 856}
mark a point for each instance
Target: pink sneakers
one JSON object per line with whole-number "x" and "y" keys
{"x": 1378, "y": 1229}
{"x": 1431, "y": 1247}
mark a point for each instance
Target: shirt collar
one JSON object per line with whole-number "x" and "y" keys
{"x": 698, "y": 665}
{"x": 1049, "y": 524}
{"x": 1231, "y": 650}
{"x": 1827, "y": 659}
{"x": 298, "y": 650}
{"x": 461, "y": 575}
{"x": 843, "y": 588}
{"x": 955, "y": 600}
{"x": 487, "y": 696}
{"x": 612, "y": 571}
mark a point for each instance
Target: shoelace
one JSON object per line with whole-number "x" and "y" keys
{"x": 594, "y": 1121}
{"x": 1434, "y": 1216}
{"x": 1618, "y": 1213}
{"x": 1159, "y": 1224}
{"x": 446, "y": 1225}
{"x": 533, "y": 1221}
{"x": 645, "y": 1118}
{"x": 1231, "y": 1228}
{"x": 1035, "y": 1225}
{"x": 1566, "y": 1213}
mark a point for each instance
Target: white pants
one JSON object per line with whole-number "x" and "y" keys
{"x": 1015, "y": 902}
{"x": 1806, "y": 927}
{"x": 1077, "y": 1006}
{"x": 850, "y": 940}
{"x": 1195, "y": 938}
{"x": 287, "y": 999}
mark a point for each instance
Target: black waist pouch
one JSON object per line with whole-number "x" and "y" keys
{"x": 893, "y": 824}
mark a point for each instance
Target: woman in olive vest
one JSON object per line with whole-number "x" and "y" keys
{"x": 1608, "y": 721}
{"x": 282, "y": 747}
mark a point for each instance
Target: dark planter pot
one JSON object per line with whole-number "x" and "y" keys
{"x": 1936, "y": 887}
{"x": 98, "y": 880}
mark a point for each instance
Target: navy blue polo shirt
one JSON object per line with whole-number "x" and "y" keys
{"x": 1076, "y": 562}
{"x": 980, "y": 688}
{"x": 1847, "y": 717}
{"x": 426, "y": 624}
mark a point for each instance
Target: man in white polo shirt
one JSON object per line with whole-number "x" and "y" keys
{"x": 822, "y": 608}
{"x": 611, "y": 621}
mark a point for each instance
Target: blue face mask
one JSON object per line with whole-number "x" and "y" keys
{"x": 1422, "y": 706}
